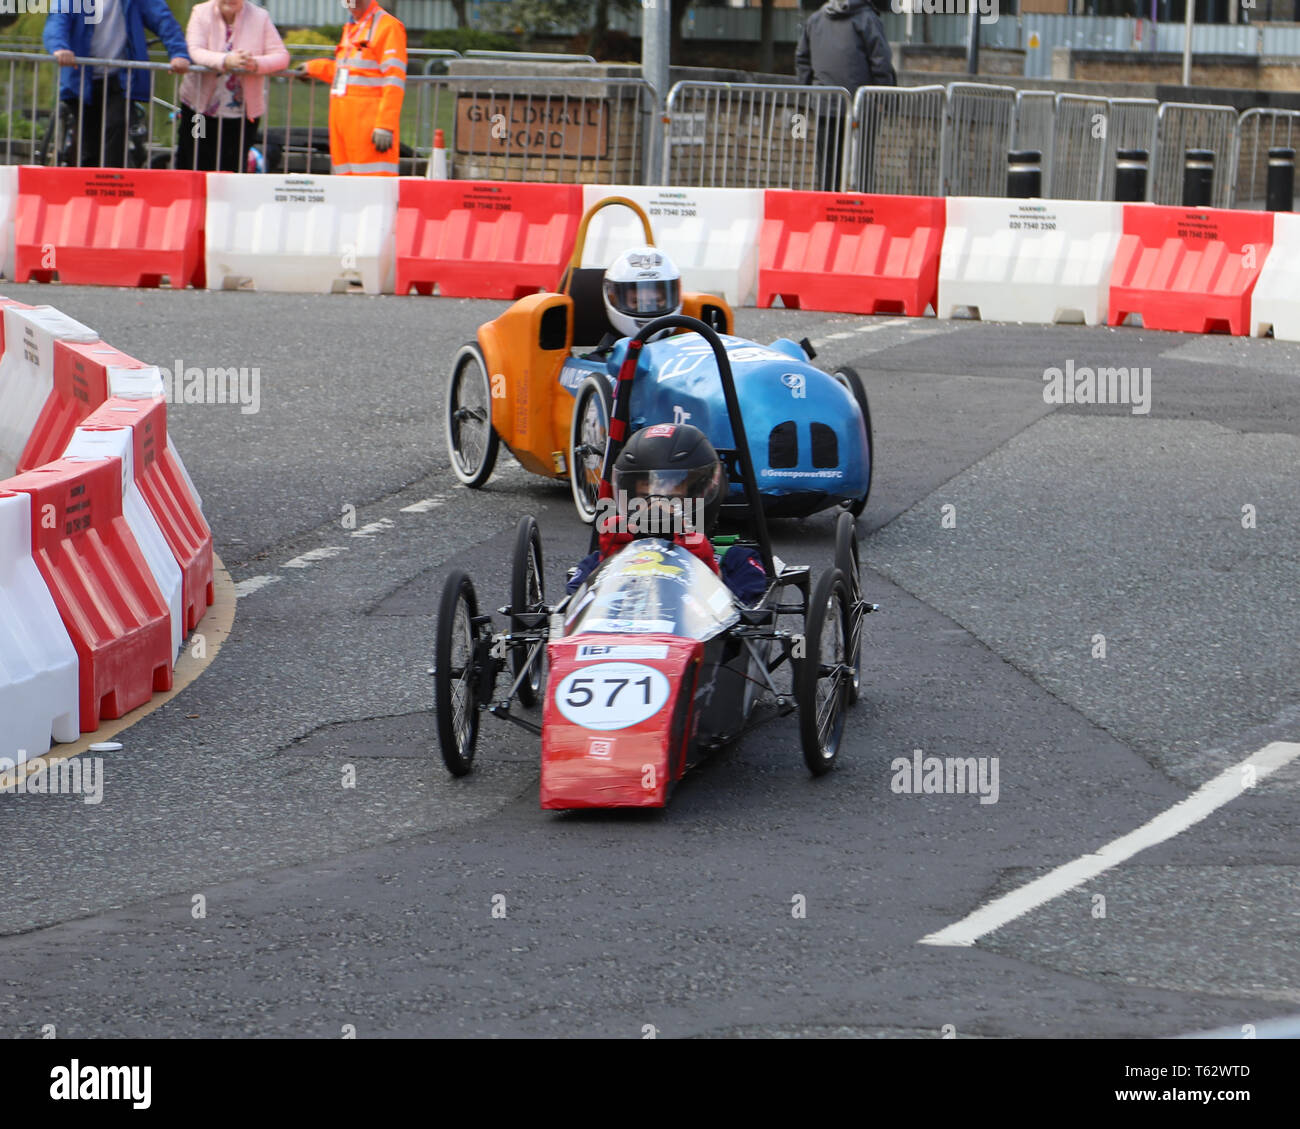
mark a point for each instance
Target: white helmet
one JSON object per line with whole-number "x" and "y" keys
{"x": 640, "y": 285}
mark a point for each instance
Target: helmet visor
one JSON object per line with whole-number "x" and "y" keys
{"x": 696, "y": 483}
{"x": 644, "y": 299}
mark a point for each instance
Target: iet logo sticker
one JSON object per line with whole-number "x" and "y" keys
{"x": 796, "y": 383}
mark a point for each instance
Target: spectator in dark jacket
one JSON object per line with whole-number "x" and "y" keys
{"x": 109, "y": 29}
{"x": 842, "y": 44}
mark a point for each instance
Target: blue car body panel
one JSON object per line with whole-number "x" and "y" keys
{"x": 807, "y": 436}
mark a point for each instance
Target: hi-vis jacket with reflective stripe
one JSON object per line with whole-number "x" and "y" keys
{"x": 373, "y": 51}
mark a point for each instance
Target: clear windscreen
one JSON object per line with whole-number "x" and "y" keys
{"x": 653, "y": 585}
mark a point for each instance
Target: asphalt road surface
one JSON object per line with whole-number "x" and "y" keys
{"x": 229, "y": 884}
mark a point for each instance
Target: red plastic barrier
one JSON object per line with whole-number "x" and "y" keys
{"x": 80, "y": 386}
{"x": 101, "y": 584}
{"x": 110, "y": 227}
{"x": 850, "y": 252}
{"x": 483, "y": 239}
{"x": 167, "y": 494}
{"x": 1188, "y": 269}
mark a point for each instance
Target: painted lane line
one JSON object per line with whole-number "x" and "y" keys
{"x": 838, "y": 336}
{"x": 424, "y": 505}
{"x": 374, "y": 527}
{"x": 1228, "y": 785}
{"x": 254, "y": 584}
{"x": 310, "y": 558}
{"x": 883, "y": 325}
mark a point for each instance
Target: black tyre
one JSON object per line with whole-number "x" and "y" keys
{"x": 527, "y": 594}
{"x": 848, "y": 561}
{"x": 456, "y": 674}
{"x": 472, "y": 442}
{"x": 822, "y": 685}
{"x": 588, "y": 435}
{"x": 853, "y": 382}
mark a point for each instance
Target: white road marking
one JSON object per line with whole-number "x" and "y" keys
{"x": 374, "y": 527}
{"x": 424, "y": 505}
{"x": 884, "y": 324}
{"x": 310, "y": 558}
{"x": 1228, "y": 785}
{"x": 838, "y": 336}
{"x": 253, "y": 584}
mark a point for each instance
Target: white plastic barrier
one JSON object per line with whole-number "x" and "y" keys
{"x": 97, "y": 443}
{"x": 309, "y": 234}
{"x": 1029, "y": 260}
{"x": 27, "y": 373}
{"x": 146, "y": 384}
{"x": 710, "y": 233}
{"x": 8, "y": 215}
{"x": 1276, "y": 299}
{"x": 38, "y": 664}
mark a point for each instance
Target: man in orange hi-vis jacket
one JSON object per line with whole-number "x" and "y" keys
{"x": 367, "y": 78}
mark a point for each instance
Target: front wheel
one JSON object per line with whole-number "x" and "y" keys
{"x": 472, "y": 442}
{"x": 527, "y": 594}
{"x": 588, "y": 435}
{"x": 456, "y": 674}
{"x": 848, "y": 561}
{"x": 849, "y": 378}
{"x": 821, "y": 689}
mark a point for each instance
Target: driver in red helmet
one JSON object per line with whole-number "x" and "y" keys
{"x": 669, "y": 482}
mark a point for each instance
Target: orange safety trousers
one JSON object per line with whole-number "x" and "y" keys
{"x": 367, "y": 79}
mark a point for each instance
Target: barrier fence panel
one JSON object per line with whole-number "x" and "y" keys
{"x": 1258, "y": 131}
{"x": 898, "y": 140}
{"x": 1182, "y": 126}
{"x": 568, "y": 130}
{"x": 734, "y": 135}
{"x": 978, "y": 127}
{"x": 1131, "y": 124}
{"x": 1035, "y": 128}
{"x": 1079, "y": 165}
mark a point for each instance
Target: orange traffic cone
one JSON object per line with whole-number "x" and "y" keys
{"x": 438, "y": 159}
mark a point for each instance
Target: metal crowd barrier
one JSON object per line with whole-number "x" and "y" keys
{"x": 1258, "y": 131}
{"x": 898, "y": 140}
{"x": 929, "y": 140}
{"x": 743, "y": 135}
{"x": 1185, "y": 125}
{"x": 978, "y": 127}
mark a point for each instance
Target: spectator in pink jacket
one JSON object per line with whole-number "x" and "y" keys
{"x": 238, "y": 44}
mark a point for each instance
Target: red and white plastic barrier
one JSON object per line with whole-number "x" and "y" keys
{"x": 38, "y": 665}
{"x": 484, "y": 239}
{"x": 1029, "y": 260}
{"x": 109, "y": 227}
{"x": 101, "y": 583}
{"x": 27, "y": 373}
{"x": 1191, "y": 270}
{"x": 159, "y": 478}
{"x": 710, "y": 233}
{"x": 301, "y": 234}
{"x": 92, "y": 443}
{"x": 1275, "y": 301}
{"x": 850, "y": 252}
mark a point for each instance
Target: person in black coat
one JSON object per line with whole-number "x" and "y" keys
{"x": 842, "y": 44}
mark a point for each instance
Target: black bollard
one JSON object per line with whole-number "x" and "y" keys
{"x": 1024, "y": 174}
{"x": 1281, "y": 180}
{"x": 1131, "y": 175}
{"x": 1198, "y": 178}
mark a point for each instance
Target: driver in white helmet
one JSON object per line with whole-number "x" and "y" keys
{"x": 642, "y": 284}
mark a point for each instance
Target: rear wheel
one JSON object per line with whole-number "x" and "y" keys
{"x": 472, "y": 443}
{"x": 823, "y": 679}
{"x": 456, "y": 674}
{"x": 588, "y": 435}
{"x": 850, "y": 379}
{"x": 527, "y": 594}
{"x": 848, "y": 561}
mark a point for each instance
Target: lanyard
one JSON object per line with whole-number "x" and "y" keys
{"x": 351, "y": 43}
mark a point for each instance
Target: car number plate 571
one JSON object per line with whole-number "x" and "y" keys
{"x": 612, "y": 695}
